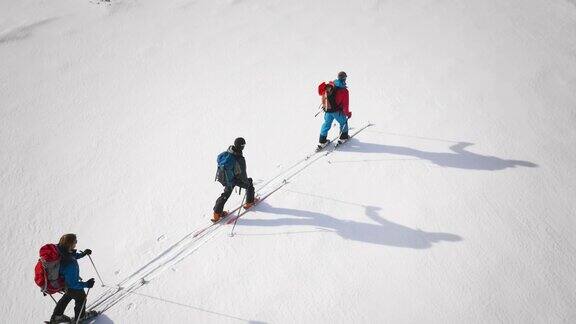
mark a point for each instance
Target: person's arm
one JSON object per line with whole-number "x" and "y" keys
{"x": 83, "y": 254}
{"x": 241, "y": 173}
{"x": 345, "y": 107}
{"x": 72, "y": 279}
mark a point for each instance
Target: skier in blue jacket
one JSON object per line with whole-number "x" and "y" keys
{"x": 70, "y": 270}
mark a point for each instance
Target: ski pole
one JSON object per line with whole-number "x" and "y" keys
{"x": 236, "y": 220}
{"x": 82, "y": 310}
{"x": 55, "y": 302}
{"x": 99, "y": 277}
{"x": 319, "y": 110}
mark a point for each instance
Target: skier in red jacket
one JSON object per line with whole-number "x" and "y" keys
{"x": 335, "y": 104}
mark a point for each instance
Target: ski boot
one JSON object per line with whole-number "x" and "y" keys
{"x": 59, "y": 319}
{"x": 321, "y": 146}
{"x": 343, "y": 138}
{"x": 218, "y": 216}
{"x": 248, "y": 205}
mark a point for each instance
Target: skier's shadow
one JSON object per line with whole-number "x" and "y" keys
{"x": 458, "y": 158}
{"x": 24, "y": 31}
{"x": 382, "y": 232}
{"x": 102, "y": 319}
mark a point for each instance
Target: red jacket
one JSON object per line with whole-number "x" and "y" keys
{"x": 336, "y": 101}
{"x": 341, "y": 99}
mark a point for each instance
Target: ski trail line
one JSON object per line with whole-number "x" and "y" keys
{"x": 295, "y": 164}
{"x": 194, "y": 240}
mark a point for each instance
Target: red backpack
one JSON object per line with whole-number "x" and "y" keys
{"x": 322, "y": 87}
{"x": 46, "y": 273}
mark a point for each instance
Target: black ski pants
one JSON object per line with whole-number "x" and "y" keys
{"x": 79, "y": 297}
{"x": 219, "y": 206}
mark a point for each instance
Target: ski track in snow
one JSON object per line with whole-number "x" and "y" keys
{"x": 200, "y": 236}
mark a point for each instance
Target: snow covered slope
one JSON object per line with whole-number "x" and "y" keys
{"x": 456, "y": 206}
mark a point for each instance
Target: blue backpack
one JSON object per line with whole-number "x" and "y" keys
{"x": 225, "y": 172}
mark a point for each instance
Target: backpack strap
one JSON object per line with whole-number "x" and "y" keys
{"x": 43, "y": 289}
{"x": 229, "y": 172}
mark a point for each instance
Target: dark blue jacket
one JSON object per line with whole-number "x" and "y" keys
{"x": 240, "y": 167}
{"x": 70, "y": 270}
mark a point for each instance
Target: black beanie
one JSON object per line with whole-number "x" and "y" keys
{"x": 239, "y": 143}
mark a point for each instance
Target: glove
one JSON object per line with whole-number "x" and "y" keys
{"x": 349, "y": 114}
{"x": 90, "y": 283}
{"x": 87, "y": 252}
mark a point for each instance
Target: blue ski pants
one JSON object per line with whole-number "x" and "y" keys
{"x": 329, "y": 117}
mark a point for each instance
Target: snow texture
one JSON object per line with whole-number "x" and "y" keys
{"x": 456, "y": 206}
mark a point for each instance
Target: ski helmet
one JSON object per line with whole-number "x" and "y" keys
{"x": 342, "y": 75}
{"x": 239, "y": 143}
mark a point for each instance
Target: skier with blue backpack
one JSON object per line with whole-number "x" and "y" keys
{"x": 231, "y": 173}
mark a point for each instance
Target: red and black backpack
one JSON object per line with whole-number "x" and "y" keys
{"x": 46, "y": 273}
{"x": 322, "y": 87}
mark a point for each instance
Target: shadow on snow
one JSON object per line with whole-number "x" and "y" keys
{"x": 102, "y": 319}
{"x": 23, "y": 31}
{"x": 381, "y": 232}
{"x": 458, "y": 158}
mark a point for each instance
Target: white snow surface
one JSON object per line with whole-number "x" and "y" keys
{"x": 456, "y": 206}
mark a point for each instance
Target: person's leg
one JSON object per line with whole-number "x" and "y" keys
{"x": 328, "y": 118}
{"x": 343, "y": 121}
{"x": 61, "y": 305}
{"x": 219, "y": 206}
{"x": 79, "y": 302}
{"x": 249, "y": 186}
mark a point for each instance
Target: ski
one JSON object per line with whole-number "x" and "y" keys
{"x": 256, "y": 202}
{"x": 231, "y": 217}
{"x": 319, "y": 149}
{"x": 293, "y": 165}
{"x": 306, "y": 158}
{"x": 229, "y": 214}
{"x": 90, "y": 316}
{"x": 338, "y": 144}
